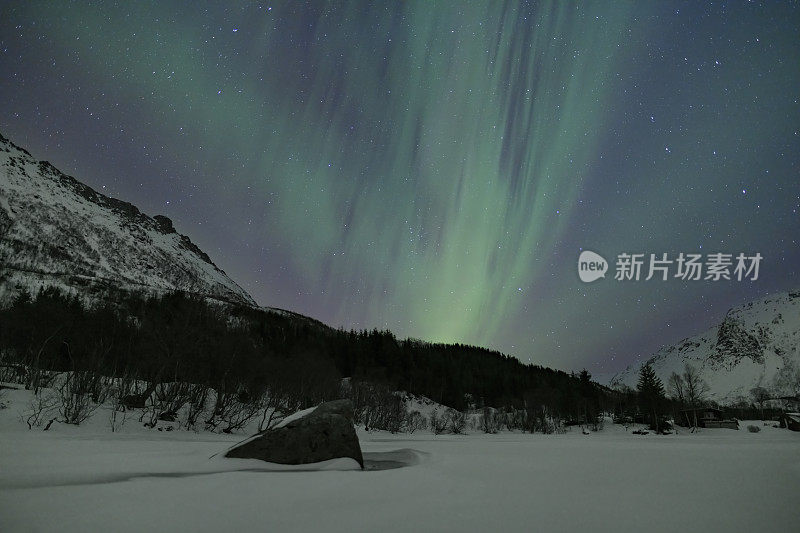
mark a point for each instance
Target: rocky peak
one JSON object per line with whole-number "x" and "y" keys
{"x": 734, "y": 342}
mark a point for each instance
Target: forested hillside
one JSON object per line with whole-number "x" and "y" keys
{"x": 244, "y": 351}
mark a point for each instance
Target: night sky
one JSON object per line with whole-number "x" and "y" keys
{"x": 436, "y": 168}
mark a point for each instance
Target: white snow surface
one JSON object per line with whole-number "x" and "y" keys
{"x": 773, "y": 322}
{"x": 295, "y": 416}
{"x": 89, "y": 479}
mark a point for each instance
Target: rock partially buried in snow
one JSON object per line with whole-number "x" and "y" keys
{"x": 323, "y": 433}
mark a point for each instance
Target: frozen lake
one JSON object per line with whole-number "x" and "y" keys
{"x": 88, "y": 479}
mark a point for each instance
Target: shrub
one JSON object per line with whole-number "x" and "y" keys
{"x": 457, "y": 421}
{"x": 753, "y": 429}
{"x": 438, "y": 424}
{"x": 489, "y": 421}
{"x": 415, "y": 421}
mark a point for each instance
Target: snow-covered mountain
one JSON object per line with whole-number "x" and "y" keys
{"x": 56, "y": 231}
{"x": 757, "y": 344}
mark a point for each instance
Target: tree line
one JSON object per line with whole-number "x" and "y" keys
{"x": 241, "y": 352}
{"x": 180, "y": 351}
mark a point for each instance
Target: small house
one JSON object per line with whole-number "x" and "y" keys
{"x": 705, "y": 417}
{"x": 791, "y": 403}
{"x": 791, "y": 421}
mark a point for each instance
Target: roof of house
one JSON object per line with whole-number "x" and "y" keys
{"x": 690, "y": 409}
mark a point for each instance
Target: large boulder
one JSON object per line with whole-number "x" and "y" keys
{"x": 325, "y": 433}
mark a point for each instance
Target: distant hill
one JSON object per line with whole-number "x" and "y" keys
{"x": 757, "y": 344}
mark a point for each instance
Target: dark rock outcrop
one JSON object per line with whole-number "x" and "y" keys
{"x": 164, "y": 224}
{"x": 325, "y": 433}
{"x": 734, "y": 342}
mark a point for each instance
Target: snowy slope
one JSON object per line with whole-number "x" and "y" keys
{"x": 757, "y": 344}
{"x": 56, "y": 231}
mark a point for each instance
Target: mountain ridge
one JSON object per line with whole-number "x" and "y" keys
{"x": 57, "y": 231}
{"x": 757, "y": 344}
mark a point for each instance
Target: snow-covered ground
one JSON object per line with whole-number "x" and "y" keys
{"x": 89, "y": 479}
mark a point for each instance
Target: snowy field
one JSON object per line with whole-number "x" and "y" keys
{"x": 89, "y": 479}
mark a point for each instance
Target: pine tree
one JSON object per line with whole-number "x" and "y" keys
{"x": 589, "y": 398}
{"x": 651, "y": 394}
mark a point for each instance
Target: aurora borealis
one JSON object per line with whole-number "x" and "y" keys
{"x": 435, "y": 168}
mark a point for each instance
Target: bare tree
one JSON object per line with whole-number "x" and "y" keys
{"x": 120, "y": 390}
{"x": 500, "y": 419}
{"x": 695, "y": 390}
{"x": 237, "y": 414}
{"x": 10, "y": 370}
{"x": 415, "y": 421}
{"x": 233, "y": 411}
{"x": 760, "y": 395}
{"x": 677, "y": 387}
{"x": 36, "y": 377}
{"x": 696, "y": 386}
{"x": 377, "y": 406}
{"x": 118, "y": 416}
{"x": 276, "y": 404}
{"x": 280, "y": 398}
{"x": 196, "y": 405}
{"x": 138, "y": 400}
{"x": 74, "y": 393}
{"x": 514, "y": 419}
{"x": 489, "y": 421}
{"x": 438, "y": 423}
{"x": 167, "y": 399}
{"x": 42, "y": 406}
{"x": 395, "y": 411}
